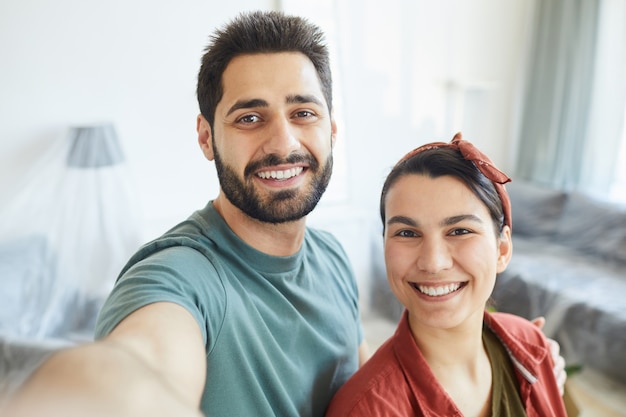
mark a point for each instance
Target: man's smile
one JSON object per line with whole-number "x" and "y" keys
{"x": 280, "y": 174}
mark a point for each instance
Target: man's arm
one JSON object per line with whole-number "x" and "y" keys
{"x": 555, "y": 352}
{"x": 153, "y": 363}
{"x": 364, "y": 353}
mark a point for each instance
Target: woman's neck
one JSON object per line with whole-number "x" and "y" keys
{"x": 459, "y": 346}
{"x": 458, "y": 359}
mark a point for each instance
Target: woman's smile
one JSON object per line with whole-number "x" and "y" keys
{"x": 438, "y": 290}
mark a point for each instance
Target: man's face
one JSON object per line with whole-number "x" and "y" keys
{"x": 273, "y": 136}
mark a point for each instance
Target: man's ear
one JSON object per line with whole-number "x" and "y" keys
{"x": 333, "y": 132}
{"x": 505, "y": 249}
{"x": 205, "y": 139}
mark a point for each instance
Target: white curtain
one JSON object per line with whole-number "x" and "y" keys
{"x": 608, "y": 102}
{"x": 574, "y": 106}
{"x": 66, "y": 234}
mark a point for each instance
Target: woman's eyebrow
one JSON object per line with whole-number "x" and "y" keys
{"x": 449, "y": 221}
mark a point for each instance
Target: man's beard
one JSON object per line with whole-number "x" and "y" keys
{"x": 281, "y": 206}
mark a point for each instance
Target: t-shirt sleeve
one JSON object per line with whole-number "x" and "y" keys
{"x": 179, "y": 275}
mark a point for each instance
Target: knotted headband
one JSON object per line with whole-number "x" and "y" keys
{"x": 482, "y": 163}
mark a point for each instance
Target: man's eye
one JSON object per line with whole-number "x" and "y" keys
{"x": 459, "y": 232}
{"x": 406, "y": 233}
{"x": 304, "y": 114}
{"x": 248, "y": 119}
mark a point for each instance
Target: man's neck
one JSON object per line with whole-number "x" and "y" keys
{"x": 282, "y": 239}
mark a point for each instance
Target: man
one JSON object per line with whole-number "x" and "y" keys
{"x": 241, "y": 310}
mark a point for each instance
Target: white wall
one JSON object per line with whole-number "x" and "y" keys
{"x": 419, "y": 71}
{"x": 131, "y": 62}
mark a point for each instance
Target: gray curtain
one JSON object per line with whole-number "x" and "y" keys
{"x": 557, "y": 105}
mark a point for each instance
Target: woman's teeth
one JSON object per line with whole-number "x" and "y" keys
{"x": 280, "y": 175}
{"x": 438, "y": 291}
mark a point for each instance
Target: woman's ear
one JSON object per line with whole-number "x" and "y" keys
{"x": 505, "y": 249}
{"x": 205, "y": 139}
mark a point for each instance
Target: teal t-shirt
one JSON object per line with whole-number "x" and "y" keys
{"x": 281, "y": 333}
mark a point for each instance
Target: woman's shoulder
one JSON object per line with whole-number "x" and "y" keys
{"x": 511, "y": 327}
{"x": 508, "y": 318}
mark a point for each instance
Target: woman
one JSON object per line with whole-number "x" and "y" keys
{"x": 447, "y": 233}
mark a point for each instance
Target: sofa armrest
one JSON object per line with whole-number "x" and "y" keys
{"x": 19, "y": 358}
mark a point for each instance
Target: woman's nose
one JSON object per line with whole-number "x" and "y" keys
{"x": 434, "y": 256}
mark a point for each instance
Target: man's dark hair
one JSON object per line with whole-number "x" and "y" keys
{"x": 254, "y": 33}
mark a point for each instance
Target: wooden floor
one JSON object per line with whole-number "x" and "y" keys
{"x": 597, "y": 396}
{"x": 594, "y": 394}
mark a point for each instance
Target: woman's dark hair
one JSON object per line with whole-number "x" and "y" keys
{"x": 438, "y": 162}
{"x": 254, "y": 33}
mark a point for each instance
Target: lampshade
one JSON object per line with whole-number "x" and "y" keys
{"x": 94, "y": 147}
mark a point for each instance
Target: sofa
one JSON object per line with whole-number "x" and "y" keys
{"x": 569, "y": 265}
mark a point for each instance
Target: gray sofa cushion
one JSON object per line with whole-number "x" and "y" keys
{"x": 535, "y": 209}
{"x": 27, "y": 274}
{"x": 582, "y": 299}
{"x": 593, "y": 227}
{"x": 572, "y": 271}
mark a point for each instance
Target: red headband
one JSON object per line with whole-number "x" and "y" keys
{"x": 481, "y": 161}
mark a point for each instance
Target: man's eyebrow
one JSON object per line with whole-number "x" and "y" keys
{"x": 247, "y": 104}
{"x": 258, "y": 102}
{"x": 303, "y": 99}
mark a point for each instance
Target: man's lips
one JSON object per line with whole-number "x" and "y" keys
{"x": 283, "y": 174}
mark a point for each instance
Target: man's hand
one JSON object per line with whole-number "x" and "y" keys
{"x": 559, "y": 361}
{"x": 152, "y": 364}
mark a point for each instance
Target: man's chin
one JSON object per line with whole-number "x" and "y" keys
{"x": 279, "y": 217}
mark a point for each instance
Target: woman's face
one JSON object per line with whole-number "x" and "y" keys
{"x": 441, "y": 251}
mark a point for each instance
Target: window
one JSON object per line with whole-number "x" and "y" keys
{"x": 618, "y": 187}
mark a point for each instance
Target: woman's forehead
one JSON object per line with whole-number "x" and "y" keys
{"x": 437, "y": 196}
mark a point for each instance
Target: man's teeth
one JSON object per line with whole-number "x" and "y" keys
{"x": 280, "y": 175}
{"x": 438, "y": 291}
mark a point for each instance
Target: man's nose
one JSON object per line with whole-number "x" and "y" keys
{"x": 282, "y": 138}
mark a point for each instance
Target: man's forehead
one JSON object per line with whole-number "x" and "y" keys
{"x": 273, "y": 77}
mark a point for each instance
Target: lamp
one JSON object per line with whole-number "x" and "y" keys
{"x": 94, "y": 147}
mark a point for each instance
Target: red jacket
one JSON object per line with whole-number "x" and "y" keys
{"x": 397, "y": 381}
